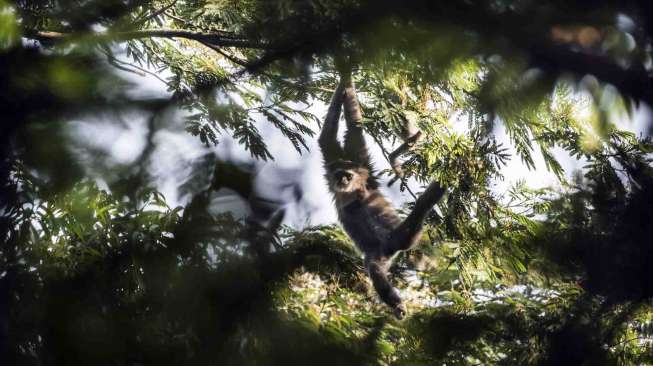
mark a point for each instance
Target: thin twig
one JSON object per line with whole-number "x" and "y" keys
{"x": 139, "y": 70}
{"x": 629, "y": 340}
{"x": 180, "y": 20}
{"x": 117, "y": 65}
{"x": 229, "y": 57}
{"x": 144, "y": 18}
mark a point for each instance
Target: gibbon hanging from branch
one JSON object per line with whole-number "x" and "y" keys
{"x": 365, "y": 214}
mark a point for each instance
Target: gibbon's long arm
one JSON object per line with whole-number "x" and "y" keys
{"x": 354, "y": 140}
{"x": 328, "y": 139}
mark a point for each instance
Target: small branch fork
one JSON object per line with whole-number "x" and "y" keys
{"x": 386, "y": 155}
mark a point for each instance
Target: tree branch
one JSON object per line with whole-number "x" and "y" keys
{"x": 217, "y": 39}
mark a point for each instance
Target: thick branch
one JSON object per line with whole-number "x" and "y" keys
{"x": 217, "y": 39}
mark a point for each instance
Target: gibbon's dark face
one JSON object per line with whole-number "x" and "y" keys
{"x": 347, "y": 178}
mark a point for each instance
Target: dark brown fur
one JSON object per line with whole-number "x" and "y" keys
{"x": 368, "y": 218}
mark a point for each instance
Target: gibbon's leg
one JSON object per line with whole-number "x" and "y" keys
{"x": 328, "y": 139}
{"x": 377, "y": 270}
{"x": 410, "y": 230}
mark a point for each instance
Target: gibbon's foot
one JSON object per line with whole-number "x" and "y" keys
{"x": 399, "y": 311}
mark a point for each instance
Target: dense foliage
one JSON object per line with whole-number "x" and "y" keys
{"x": 96, "y": 268}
